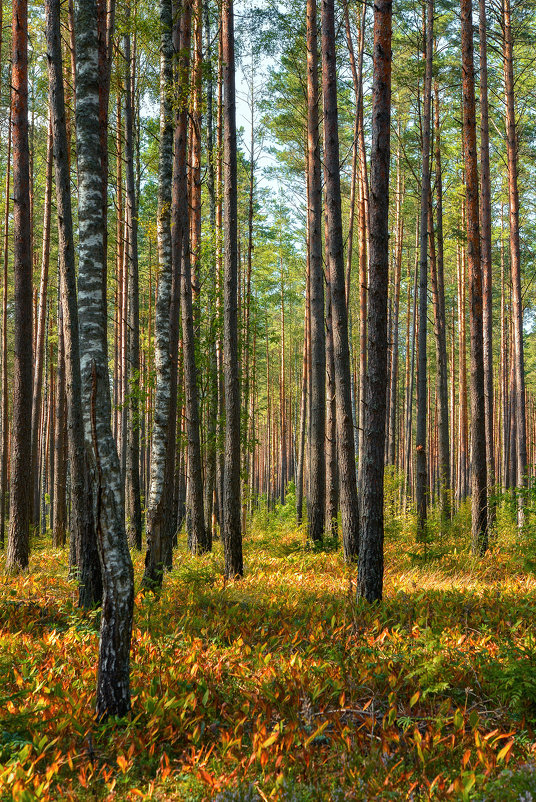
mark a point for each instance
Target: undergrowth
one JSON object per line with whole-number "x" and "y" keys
{"x": 282, "y": 686}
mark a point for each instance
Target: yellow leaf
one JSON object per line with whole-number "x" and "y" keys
{"x": 505, "y": 750}
{"x": 316, "y": 733}
{"x": 122, "y": 762}
{"x": 414, "y": 699}
{"x": 269, "y": 741}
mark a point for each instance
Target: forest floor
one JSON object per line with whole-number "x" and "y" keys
{"x": 282, "y": 686}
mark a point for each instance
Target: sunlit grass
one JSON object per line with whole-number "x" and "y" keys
{"x": 282, "y": 685}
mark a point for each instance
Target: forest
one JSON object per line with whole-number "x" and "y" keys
{"x": 268, "y": 400}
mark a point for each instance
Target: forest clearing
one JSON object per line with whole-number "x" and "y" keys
{"x": 283, "y": 687}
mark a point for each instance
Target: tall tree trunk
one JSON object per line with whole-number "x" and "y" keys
{"x": 82, "y": 526}
{"x": 5, "y": 393}
{"x": 60, "y": 466}
{"x": 441, "y": 329}
{"x": 370, "y": 570}
{"x": 132, "y": 475}
{"x": 18, "y": 547}
{"x": 341, "y": 347}
{"x": 485, "y": 235}
{"x": 317, "y": 405}
{"x": 232, "y": 535}
{"x": 156, "y": 512}
{"x": 197, "y": 537}
{"x": 422, "y": 382}
{"x": 479, "y": 507}
{"x": 515, "y": 259}
{"x": 113, "y": 683}
{"x": 40, "y": 335}
{"x": 393, "y": 394}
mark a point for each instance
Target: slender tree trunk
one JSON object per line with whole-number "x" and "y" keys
{"x": 82, "y": 526}
{"x": 5, "y": 393}
{"x": 232, "y": 535}
{"x": 113, "y": 684}
{"x": 370, "y": 571}
{"x": 393, "y": 394}
{"x": 197, "y": 537}
{"x": 40, "y": 336}
{"x": 485, "y": 234}
{"x": 441, "y": 330}
{"x": 60, "y": 466}
{"x": 515, "y": 259}
{"x": 341, "y": 347}
{"x": 317, "y": 405}
{"x": 160, "y": 478}
{"x": 422, "y": 393}
{"x": 132, "y": 475}
{"x": 18, "y": 547}
{"x": 479, "y": 529}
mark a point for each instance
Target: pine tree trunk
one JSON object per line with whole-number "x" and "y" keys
{"x": 113, "y": 684}
{"x": 132, "y": 474}
{"x": 60, "y": 466}
{"x": 18, "y": 547}
{"x": 441, "y": 330}
{"x": 515, "y": 260}
{"x": 485, "y": 234}
{"x": 232, "y": 535}
{"x": 370, "y": 570}
{"x": 317, "y": 398}
{"x": 479, "y": 507}
{"x": 341, "y": 347}
{"x": 195, "y": 518}
{"x": 40, "y": 335}
{"x": 422, "y": 379}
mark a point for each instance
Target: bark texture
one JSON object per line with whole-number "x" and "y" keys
{"x": 113, "y": 681}
{"x": 370, "y": 572}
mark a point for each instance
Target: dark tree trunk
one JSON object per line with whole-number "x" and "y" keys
{"x": 370, "y": 572}
{"x": 515, "y": 259}
{"x": 132, "y": 474}
{"x": 18, "y": 547}
{"x": 479, "y": 529}
{"x": 317, "y": 398}
{"x": 232, "y": 535}
{"x": 421, "y": 484}
{"x": 195, "y": 518}
{"x": 60, "y": 466}
{"x": 40, "y": 335}
{"x": 341, "y": 348}
{"x": 485, "y": 236}
{"x": 441, "y": 330}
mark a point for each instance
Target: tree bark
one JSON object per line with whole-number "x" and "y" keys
{"x": 341, "y": 347}
{"x": 479, "y": 511}
{"x": 132, "y": 474}
{"x": 82, "y": 526}
{"x": 515, "y": 260}
{"x": 113, "y": 683}
{"x": 370, "y": 570}
{"x": 18, "y": 547}
{"x": 485, "y": 237}
{"x": 40, "y": 335}
{"x": 160, "y": 478}
{"x": 195, "y": 518}
{"x": 317, "y": 406}
{"x": 422, "y": 393}
{"x": 232, "y": 535}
